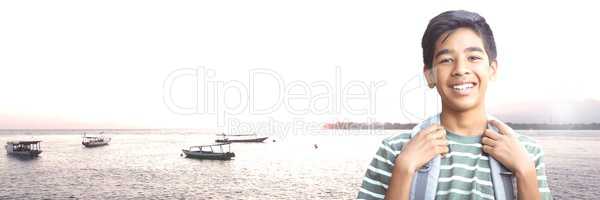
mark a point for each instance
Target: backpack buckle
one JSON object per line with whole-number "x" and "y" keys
{"x": 426, "y": 167}
{"x": 506, "y": 173}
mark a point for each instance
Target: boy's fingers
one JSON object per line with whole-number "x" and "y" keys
{"x": 487, "y": 141}
{"x": 437, "y": 134}
{"x": 440, "y": 133}
{"x": 441, "y": 142}
{"x": 432, "y": 128}
{"x": 502, "y": 127}
{"x": 444, "y": 150}
{"x": 487, "y": 149}
{"x": 444, "y": 133}
{"x": 445, "y": 142}
{"x": 491, "y": 134}
{"x": 428, "y": 130}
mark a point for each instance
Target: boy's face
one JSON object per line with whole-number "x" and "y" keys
{"x": 461, "y": 70}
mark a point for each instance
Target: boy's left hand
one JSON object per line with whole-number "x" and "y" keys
{"x": 504, "y": 147}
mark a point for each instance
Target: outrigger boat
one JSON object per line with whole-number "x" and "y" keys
{"x": 240, "y": 138}
{"x": 209, "y": 152}
{"x": 24, "y": 148}
{"x": 89, "y": 141}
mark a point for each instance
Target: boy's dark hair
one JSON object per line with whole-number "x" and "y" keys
{"x": 451, "y": 20}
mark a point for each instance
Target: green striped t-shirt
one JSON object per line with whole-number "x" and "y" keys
{"x": 464, "y": 172}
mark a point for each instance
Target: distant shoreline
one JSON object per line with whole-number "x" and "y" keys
{"x": 408, "y": 126}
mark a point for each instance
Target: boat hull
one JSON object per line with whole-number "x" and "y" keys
{"x": 242, "y": 140}
{"x": 94, "y": 144}
{"x": 23, "y": 148}
{"x": 32, "y": 153}
{"x": 208, "y": 155}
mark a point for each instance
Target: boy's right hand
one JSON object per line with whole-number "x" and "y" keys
{"x": 428, "y": 143}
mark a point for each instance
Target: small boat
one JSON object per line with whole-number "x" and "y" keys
{"x": 89, "y": 141}
{"x": 240, "y": 138}
{"x": 209, "y": 152}
{"x": 24, "y": 148}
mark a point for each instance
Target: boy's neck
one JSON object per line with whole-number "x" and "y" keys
{"x": 465, "y": 123}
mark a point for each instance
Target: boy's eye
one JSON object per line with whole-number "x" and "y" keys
{"x": 445, "y": 60}
{"x": 474, "y": 58}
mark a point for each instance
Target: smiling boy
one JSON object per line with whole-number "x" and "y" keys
{"x": 461, "y": 153}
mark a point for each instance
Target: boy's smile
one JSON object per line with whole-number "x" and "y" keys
{"x": 461, "y": 70}
{"x": 463, "y": 87}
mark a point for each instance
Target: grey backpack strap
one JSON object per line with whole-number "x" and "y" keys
{"x": 424, "y": 182}
{"x": 419, "y": 184}
{"x": 432, "y": 178}
{"x": 502, "y": 178}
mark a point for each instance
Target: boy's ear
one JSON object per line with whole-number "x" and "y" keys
{"x": 493, "y": 70}
{"x": 429, "y": 76}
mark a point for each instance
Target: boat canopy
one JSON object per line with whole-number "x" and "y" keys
{"x": 236, "y": 135}
{"x": 24, "y": 142}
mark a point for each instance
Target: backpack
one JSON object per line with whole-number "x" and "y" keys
{"x": 424, "y": 182}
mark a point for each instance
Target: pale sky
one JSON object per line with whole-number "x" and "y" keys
{"x": 83, "y": 64}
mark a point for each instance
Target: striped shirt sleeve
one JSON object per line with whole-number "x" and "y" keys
{"x": 536, "y": 154}
{"x": 379, "y": 171}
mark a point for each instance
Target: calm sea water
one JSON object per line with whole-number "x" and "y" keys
{"x": 147, "y": 165}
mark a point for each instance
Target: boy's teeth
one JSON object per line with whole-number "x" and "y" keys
{"x": 463, "y": 86}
